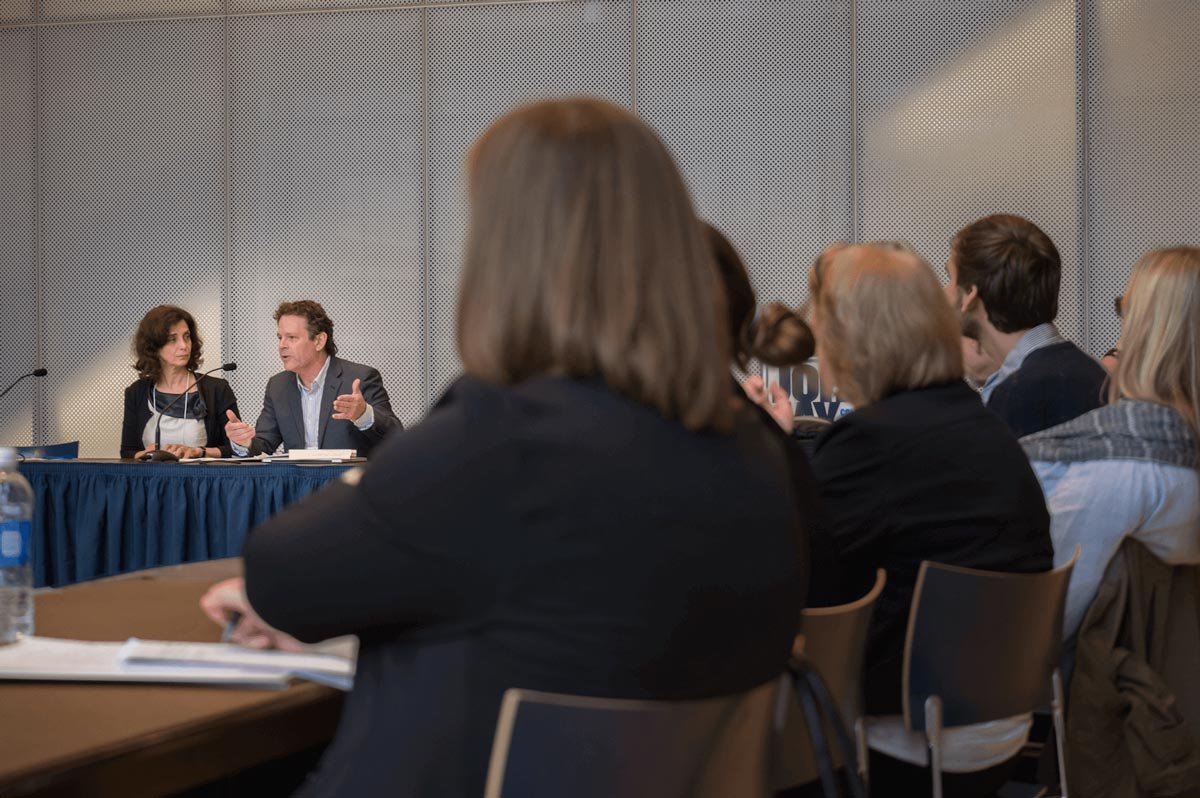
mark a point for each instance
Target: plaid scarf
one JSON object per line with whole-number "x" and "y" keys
{"x": 1127, "y": 430}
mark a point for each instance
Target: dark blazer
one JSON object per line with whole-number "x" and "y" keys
{"x": 282, "y": 419}
{"x": 1053, "y": 385}
{"x": 927, "y": 474}
{"x": 554, "y": 536}
{"x": 218, "y": 397}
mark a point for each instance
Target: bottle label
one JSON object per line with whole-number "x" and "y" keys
{"x": 14, "y": 543}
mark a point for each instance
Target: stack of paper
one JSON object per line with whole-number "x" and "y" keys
{"x": 47, "y": 658}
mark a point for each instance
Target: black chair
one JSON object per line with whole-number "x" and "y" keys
{"x": 982, "y": 646}
{"x": 549, "y": 745}
{"x": 806, "y": 430}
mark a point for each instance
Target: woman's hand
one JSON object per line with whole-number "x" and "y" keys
{"x": 777, "y": 405}
{"x": 225, "y": 598}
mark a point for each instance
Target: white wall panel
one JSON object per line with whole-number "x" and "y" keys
{"x": 1143, "y": 155}
{"x": 968, "y": 109}
{"x": 132, "y": 209}
{"x": 753, "y": 98}
{"x": 18, "y": 257}
{"x": 483, "y": 61}
{"x": 326, "y": 191}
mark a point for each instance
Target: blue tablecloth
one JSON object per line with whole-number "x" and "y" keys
{"x": 98, "y": 518}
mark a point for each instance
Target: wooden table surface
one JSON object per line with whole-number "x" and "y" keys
{"x": 97, "y": 740}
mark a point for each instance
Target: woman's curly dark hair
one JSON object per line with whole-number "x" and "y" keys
{"x": 151, "y": 337}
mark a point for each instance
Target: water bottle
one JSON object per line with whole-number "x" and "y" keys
{"x": 16, "y": 572}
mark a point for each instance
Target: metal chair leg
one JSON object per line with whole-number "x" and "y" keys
{"x": 933, "y": 733}
{"x": 860, "y": 743}
{"x": 1060, "y": 730}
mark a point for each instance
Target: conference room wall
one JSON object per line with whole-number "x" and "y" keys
{"x": 228, "y": 155}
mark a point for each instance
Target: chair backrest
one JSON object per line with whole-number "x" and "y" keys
{"x": 984, "y": 642}
{"x": 835, "y": 641}
{"x": 549, "y": 744}
{"x": 54, "y": 451}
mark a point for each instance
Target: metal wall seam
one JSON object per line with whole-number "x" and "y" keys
{"x": 226, "y": 189}
{"x": 1082, "y": 120}
{"x": 856, "y": 221}
{"x": 633, "y": 55}
{"x": 39, "y": 432}
{"x": 426, "y": 300}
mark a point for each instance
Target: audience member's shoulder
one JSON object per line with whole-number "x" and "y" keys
{"x": 135, "y": 387}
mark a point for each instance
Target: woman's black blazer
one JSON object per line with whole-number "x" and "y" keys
{"x": 218, "y": 397}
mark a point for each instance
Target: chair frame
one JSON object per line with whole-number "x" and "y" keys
{"x": 933, "y": 708}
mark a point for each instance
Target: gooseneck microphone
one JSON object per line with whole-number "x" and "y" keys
{"x": 34, "y": 373}
{"x": 158, "y": 454}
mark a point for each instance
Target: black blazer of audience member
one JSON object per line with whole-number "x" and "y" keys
{"x": 306, "y": 343}
{"x": 920, "y": 470}
{"x": 1004, "y": 279}
{"x": 588, "y": 511}
{"x": 779, "y": 337}
{"x": 167, "y": 345}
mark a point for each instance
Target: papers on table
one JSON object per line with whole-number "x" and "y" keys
{"x": 315, "y": 455}
{"x": 52, "y": 659}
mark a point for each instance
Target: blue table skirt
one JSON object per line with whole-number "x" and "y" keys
{"x": 99, "y": 518}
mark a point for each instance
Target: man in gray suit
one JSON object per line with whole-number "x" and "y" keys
{"x": 320, "y": 401}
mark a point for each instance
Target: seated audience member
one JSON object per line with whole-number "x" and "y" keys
{"x": 167, "y": 351}
{"x": 1004, "y": 277}
{"x": 919, "y": 471}
{"x": 589, "y": 510}
{"x": 1129, "y": 469}
{"x": 778, "y": 337}
{"x": 319, "y": 401}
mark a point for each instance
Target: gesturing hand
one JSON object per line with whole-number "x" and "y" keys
{"x": 781, "y": 410}
{"x": 237, "y": 430}
{"x": 350, "y": 406}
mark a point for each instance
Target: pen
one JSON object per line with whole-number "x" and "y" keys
{"x": 230, "y": 625}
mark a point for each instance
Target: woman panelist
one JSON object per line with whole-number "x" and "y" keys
{"x": 167, "y": 351}
{"x": 590, "y": 510}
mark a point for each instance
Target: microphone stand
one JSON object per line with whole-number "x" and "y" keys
{"x": 158, "y": 454}
{"x": 34, "y": 373}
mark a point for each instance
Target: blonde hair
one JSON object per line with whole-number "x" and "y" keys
{"x": 1160, "y": 333}
{"x": 584, "y": 257}
{"x": 882, "y": 322}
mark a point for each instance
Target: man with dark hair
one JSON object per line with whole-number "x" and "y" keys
{"x": 1004, "y": 279}
{"x": 320, "y": 401}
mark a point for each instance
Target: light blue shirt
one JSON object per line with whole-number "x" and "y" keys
{"x": 310, "y": 409}
{"x": 310, "y": 406}
{"x": 1098, "y": 503}
{"x": 1034, "y": 339}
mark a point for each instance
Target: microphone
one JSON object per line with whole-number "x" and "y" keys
{"x": 34, "y": 373}
{"x": 157, "y": 454}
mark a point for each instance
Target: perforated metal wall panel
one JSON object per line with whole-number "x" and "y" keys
{"x": 107, "y": 9}
{"x": 483, "y": 61}
{"x": 1143, "y": 143}
{"x": 969, "y": 108}
{"x": 16, "y": 10}
{"x": 237, "y": 6}
{"x": 753, "y": 98}
{"x": 132, "y": 206}
{"x": 326, "y": 191}
{"x": 18, "y": 258}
